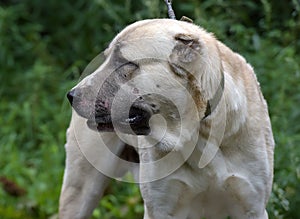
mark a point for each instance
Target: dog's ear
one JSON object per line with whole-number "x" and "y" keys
{"x": 187, "y": 39}
{"x": 186, "y": 51}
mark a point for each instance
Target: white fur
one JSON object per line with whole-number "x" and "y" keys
{"x": 216, "y": 167}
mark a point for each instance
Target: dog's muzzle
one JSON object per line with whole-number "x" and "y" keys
{"x": 70, "y": 96}
{"x": 99, "y": 118}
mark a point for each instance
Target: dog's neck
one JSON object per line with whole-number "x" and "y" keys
{"x": 214, "y": 101}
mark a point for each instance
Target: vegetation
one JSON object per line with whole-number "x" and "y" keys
{"x": 45, "y": 45}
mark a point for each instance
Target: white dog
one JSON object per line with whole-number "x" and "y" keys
{"x": 193, "y": 111}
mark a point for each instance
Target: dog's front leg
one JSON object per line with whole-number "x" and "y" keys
{"x": 166, "y": 199}
{"x": 83, "y": 183}
{"x": 82, "y": 188}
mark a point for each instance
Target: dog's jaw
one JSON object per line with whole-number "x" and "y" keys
{"x": 137, "y": 121}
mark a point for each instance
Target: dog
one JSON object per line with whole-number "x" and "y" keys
{"x": 182, "y": 112}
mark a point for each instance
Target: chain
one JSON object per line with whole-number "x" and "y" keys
{"x": 170, "y": 9}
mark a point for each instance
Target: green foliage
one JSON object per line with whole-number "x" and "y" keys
{"x": 45, "y": 45}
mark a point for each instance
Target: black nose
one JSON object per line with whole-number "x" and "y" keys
{"x": 70, "y": 96}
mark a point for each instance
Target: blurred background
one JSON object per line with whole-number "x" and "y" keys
{"x": 44, "y": 47}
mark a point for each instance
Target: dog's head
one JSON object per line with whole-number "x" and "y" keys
{"x": 159, "y": 66}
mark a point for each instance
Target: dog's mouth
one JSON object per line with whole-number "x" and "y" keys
{"x": 136, "y": 123}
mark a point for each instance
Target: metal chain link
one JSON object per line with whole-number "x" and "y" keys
{"x": 171, "y": 12}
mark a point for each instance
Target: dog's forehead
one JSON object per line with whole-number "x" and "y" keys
{"x": 149, "y": 38}
{"x": 151, "y": 28}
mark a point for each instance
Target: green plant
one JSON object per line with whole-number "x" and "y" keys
{"x": 45, "y": 46}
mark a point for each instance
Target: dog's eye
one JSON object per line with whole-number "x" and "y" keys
{"x": 130, "y": 67}
{"x": 127, "y": 69}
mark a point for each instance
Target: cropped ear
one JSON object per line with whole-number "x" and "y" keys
{"x": 188, "y": 39}
{"x": 186, "y": 51}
